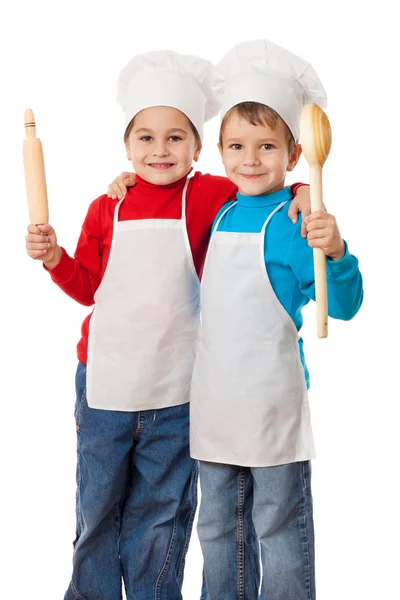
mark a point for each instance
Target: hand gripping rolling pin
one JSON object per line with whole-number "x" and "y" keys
{"x": 35, "y": 177}
{"x": 316, "y": 140}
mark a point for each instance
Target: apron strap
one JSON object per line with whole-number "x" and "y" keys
{"x": 185, "y": 232}
{"x": 270, "y": 217}
{"x": 116, "y": 211}
{"x": 115, "y": 224}
{"x": 211, "y": 240}
{"x": 223, "y": 214}
{"x": 262, "y": 234}
{"x": 183, "y": 217}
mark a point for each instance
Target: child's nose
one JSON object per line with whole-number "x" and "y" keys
{"x": 251, "y": 159}
{"x": 160, "y": 149}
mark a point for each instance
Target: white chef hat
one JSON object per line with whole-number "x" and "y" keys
{"x": 260, "y": 71}
{"x": 166, "y": 78}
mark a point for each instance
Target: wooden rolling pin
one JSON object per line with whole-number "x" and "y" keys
{"x": 316, "y": 141}
{"x": 35, "y": 177}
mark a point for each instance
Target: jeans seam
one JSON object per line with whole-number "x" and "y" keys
{"x": 80, "y": 409}
{"x": 138, "y": 428}
{"x": 78, "y": 496}
{"x": 167, "y": 561}
{"x": 79, "y": 474}
{"x": 240, "y": 536}
{"x": 304, "y": 532}
{"x": 117, "y": 515}
{"x": 77, "y": 594}
{"x": 188, "y": 533}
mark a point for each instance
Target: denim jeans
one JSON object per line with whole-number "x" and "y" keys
{"x": 135, "y": 502}
{"x": 275, "y": 505}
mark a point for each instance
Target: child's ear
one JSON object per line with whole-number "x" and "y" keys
{"x": 128, "y": 152}
{"x": 197, "y": 154}
{"x": 219, "y": 148}
{"x": 294, "y": 157}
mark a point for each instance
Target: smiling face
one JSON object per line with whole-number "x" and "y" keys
{"x": 162, "y": 145}
{"x": 256, "y": 156}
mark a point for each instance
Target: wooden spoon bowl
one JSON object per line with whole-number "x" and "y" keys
{"x": 315, "y": 135}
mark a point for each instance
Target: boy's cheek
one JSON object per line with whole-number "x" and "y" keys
{"x": 228, "y": 163}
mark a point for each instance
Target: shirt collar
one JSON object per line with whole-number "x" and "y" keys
{"x": 266, "y": 199}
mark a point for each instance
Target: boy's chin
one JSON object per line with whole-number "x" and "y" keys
{"x": 159, "y": 177}
{"x": 257, "y": 188}
{"x": 254, "y": 190}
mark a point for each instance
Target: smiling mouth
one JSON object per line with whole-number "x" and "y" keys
{"x": 254, "y": 176}
{"x": 161, "y": 166}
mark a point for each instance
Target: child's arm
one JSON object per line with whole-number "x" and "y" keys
{"x": 119, "y": 186}
{"x": 345, "y": 291}
{"x": 41, "y": 244}
{"x": 323, "y": 232}
{"x": 300, "y": 203}
{"x": 78, "y": 277}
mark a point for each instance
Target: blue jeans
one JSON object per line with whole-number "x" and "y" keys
{"x": 275, "y": 505}
{"x": 135, "y": 502}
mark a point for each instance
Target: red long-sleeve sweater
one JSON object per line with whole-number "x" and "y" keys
{"x": 79, "y": 277}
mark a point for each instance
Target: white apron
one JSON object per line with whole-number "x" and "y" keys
{"x": 249, "y": 403}
{"x": 143, "y": 331}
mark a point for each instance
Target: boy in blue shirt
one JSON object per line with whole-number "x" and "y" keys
{"x": 249, "y": 418}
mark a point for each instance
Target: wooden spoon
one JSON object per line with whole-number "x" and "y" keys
{"x": 316, "y": 140}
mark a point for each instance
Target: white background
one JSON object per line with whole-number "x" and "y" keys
{"x": 62, "y": 59}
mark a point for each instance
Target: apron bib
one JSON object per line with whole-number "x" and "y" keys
{"x": 143, "y": 330}
{"x": 249, "y": 404}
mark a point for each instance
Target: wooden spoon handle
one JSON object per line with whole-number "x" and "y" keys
{"x": 321, "y": 292}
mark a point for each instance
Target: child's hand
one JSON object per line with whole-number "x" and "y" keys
{"x": 118, "y": 187}
{"x": 41, "y": 244}
{"x": 323, "y": 232}
{"x": 301, "y": 203}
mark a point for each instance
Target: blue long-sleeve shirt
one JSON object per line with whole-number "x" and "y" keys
{"x": 289, "y": 260}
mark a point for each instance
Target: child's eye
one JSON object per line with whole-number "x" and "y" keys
{"x": 146, "y": 138}
{"x": 267, "y": 147}
{"x": 175, "y": 138}
{"x": 236, "y": 146}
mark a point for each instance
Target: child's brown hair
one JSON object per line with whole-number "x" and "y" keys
{"x": 257, "y": 114}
